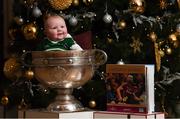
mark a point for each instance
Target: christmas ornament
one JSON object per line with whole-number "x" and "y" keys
{"x": 121, "y": 24}
{"x": 75, "y": 2}
{"x": 153, "y": 36}
{"x": 121, "y": 62}
{"x": 176, "y": 44}
{"x": 36, "y": 12}
{"x": 107, "y": 18}
{"x": 161, "y": 52}
{"x": 163, "y": 4}
{"x": 12, "y": 68}
{"x": 29, "y": 74}
{"x": 178, "y": 28}
{"x": 92, "y": 104}
{"x": 18, "y": 20}
{"x": 30, "y": 31}
{"x": 4, "y": 100}
{"x": 136, "y": 44}
{"x": 60, "y": 4}
{"x": 110, "y": 40}
{"x": 137, "y": 6}
{"x": 168, "y": 51}
{"x": 173, "y": 37}
{"x": 73, "y": 21}
{"x": 87, "y": 2}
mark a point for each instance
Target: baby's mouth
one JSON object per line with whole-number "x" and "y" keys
{"x": 60, "y": 33}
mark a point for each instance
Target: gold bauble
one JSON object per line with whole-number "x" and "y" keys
{"x": 4, "y": 100}
{"x": 29, "y": 74}
{"x": 163, "y": 4}
{"x": 60, "y": 4}
{"x": 173, "y": 37}
{"x": 87, "y": 2}
{"x": 121, "y": 24}
{"x": 30, "y": 31}
{"x": 161, "y": 52}
{"x": 153, "y": 36}
{"x": 110, "y": 40}
{"x": 137, "y": 6}
{"x": 12, "y": 68}
{"x": 168, "y": 51}
{"x": 75, "y": 2}
{"x": 92, "y": 104}
{"x": 176, "y": 44}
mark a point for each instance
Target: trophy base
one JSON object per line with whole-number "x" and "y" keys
{"x": 67, "y": 107}
{"x": 65, "y": 102}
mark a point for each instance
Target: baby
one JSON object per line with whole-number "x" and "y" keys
{"x": 57, "y": 36}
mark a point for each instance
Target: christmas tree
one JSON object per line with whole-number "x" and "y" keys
{"x": 129, "y": 31}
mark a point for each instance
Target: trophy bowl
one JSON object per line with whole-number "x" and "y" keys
{"x": 63, "y": 71}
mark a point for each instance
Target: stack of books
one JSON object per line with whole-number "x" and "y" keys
{"x": 87, "y": 115}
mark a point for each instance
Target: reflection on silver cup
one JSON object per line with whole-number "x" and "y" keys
{"x": 65, "y": 70}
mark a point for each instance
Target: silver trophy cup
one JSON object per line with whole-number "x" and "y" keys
{"x": 63, "y": 71}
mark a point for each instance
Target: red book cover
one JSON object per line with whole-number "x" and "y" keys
{"x": 130, "y": 88}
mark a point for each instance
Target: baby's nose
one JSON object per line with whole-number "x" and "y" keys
{"x": 59, "y": 29}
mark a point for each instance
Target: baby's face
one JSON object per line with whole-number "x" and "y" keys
{"x": 55, "y": 28}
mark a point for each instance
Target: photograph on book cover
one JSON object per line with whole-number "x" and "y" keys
{"x": 127, "y": 88}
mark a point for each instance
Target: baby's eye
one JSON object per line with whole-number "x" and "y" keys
{"x": 54, "y": 28}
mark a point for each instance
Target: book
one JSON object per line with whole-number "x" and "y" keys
{"x": 130, "y": 88}
{"x": 155, "y": 115}
{"x": 90, "y": 114}
{"x": 110, "y": 115}
{"x": 122, "y": 115}
{"x": 40, "y": 113}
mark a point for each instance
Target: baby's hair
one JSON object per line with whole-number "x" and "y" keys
{"x": 50, "y": 14}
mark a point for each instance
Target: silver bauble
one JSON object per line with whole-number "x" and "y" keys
{"x": 73, "y": 21}
{"x": 178, "y": 28}
{"x": 121, "y": 62}
{"x": 36, "y": 12}
{"x": 107, "y": 18}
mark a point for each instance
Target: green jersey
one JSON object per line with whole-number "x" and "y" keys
{"x": 48, "y": 45}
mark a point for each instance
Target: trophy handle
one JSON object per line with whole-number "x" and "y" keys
{"x": 26, "y": 59}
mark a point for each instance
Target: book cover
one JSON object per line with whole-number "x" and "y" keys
{"x": 130, "y": 88}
